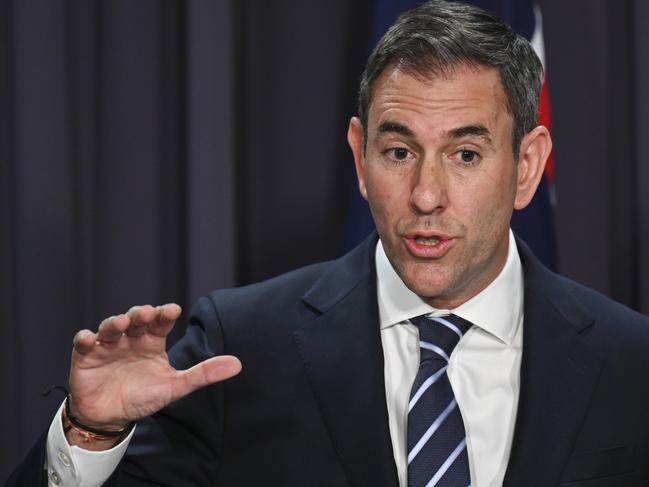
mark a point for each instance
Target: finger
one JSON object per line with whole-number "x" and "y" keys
{"x": 210, "y": 371}
{"x": 141, "y": 317}
{"x": 111, "y": 329}
{"x": 166, "y": 318}
{"x": 84, "y": 341}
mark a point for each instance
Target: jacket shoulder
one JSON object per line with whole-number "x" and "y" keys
{"x": 615, "y": 329}
{"x": 603, "y": 322}
{"x": 271, "y": 304}
{"x": 275, "y": 291}
{"x": 602, "y": 307}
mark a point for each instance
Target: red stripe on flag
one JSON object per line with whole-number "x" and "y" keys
{"x": 545, "y": 118}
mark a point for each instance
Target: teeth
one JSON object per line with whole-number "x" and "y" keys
{"x": 427, "y": 241}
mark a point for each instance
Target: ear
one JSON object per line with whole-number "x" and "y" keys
{"x": 357, "y": 143}
{"x": 534, "y": 152}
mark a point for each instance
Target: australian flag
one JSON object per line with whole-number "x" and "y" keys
{"x": 535, "y": 223}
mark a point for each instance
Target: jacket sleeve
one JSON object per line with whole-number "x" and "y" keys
{"x": 31, "y": 471}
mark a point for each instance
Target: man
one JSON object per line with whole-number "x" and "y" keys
{"x": 541, "y": 381}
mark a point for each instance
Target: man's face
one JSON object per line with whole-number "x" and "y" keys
{"x": 441, "y": 180}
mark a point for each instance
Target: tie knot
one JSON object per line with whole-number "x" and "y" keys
{"x": 439, "y": 335}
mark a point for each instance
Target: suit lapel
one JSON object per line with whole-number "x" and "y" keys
{"x": 558, "y": 377}
{"x": 343, "y": 356}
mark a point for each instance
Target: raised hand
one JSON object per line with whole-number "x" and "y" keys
{"x": 121, "y": 373}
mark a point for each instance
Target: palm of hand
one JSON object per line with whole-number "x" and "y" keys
{"x": 122, "y": 374}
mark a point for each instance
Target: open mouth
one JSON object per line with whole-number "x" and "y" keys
{"x": 429, "y": 246}
{"x": 428, "y": 240}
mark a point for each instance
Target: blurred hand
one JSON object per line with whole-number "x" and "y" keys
{"x": 121, "y": 373}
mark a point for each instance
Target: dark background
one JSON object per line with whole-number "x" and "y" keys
{"x": 151, "y": 151}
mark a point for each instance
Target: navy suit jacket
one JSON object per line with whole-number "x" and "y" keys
{"x": 309, "y": 407}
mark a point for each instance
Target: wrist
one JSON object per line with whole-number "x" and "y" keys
{"x": 77, "y": 431}
{"x": 81, "y": 440}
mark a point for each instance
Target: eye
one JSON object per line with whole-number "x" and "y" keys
{"x": 467, "y": 157}
{"x": 398, "y": 153}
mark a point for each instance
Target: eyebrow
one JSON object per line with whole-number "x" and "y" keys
{"x": 394, "y": 127}
{"x": 477, "y": 130}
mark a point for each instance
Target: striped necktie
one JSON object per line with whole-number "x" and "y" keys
{"x": 437, "y": 453}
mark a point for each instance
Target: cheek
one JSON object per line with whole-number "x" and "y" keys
{"x": 381, "y": 206}
{"x": 386, "y": 195}
{"x": 488, "y": 206}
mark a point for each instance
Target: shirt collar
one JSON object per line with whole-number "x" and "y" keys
{"x": 497, "y": 309}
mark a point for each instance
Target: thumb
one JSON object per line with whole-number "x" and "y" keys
{"x": 210, "y": 371}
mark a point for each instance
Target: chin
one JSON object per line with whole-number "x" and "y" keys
{"x": 432, "y": 294}
{"x": 428, "y": 281}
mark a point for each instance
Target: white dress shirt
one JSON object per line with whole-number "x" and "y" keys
{"x": 71, "y": 466}
{"x": 484, "y": 368}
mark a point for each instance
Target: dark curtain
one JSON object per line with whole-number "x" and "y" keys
{"x": 640, "y": 147}
{"x": 151, "y": 151}
{"x": 117, "y": 177}
{"x": 298, "y": 67}
{"x": 598, "y": 85}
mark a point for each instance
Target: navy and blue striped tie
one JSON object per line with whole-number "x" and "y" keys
{"x": 436, "y": 437}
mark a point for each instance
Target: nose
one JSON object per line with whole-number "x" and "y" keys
{"x": 429, "y": 188}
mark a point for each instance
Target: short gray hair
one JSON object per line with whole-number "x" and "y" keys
{"x": 437, "y": 36}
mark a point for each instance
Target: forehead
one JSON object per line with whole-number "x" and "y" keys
{"x": 466, "y": 94}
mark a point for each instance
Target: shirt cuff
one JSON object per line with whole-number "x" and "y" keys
{"x": 72, "y": 466}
